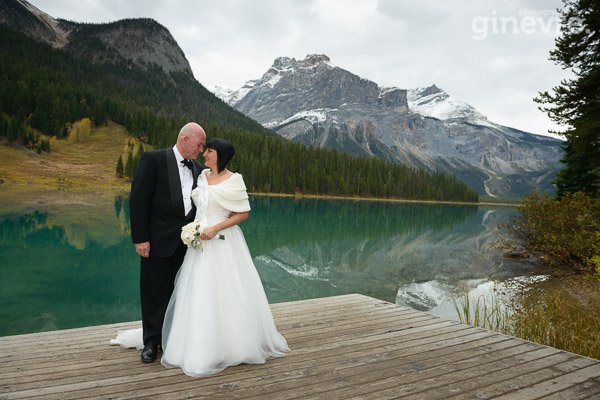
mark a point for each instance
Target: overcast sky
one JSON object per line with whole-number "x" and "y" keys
{"x": 490, "y": 54}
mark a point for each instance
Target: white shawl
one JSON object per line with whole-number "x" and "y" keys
{"x": 230, "y": 194}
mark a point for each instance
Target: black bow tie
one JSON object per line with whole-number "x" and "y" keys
{"x": 188, "y": 163}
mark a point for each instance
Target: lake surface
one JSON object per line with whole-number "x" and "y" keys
{"x": 67, "y": 260}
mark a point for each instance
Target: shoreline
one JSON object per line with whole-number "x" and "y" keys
{"x": 126, "y": 186}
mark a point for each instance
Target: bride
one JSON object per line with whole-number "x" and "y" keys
{"x": 218, "y": 315}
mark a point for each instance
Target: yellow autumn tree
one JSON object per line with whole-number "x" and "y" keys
{"x": 79, "y": 131}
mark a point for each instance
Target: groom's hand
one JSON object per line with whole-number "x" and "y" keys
{"x": 143, "y": 249}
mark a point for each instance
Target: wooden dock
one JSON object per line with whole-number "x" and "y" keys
{"x": 349, "y": 346}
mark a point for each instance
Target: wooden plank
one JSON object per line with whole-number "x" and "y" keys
{"x": 393, "y": 378}
{"x": 521, "y": 379}
{"x": 285, "y": 309}
{"x": 49, "y": 335}
{"x": 160, "y": 369}
{"x": 169, "y": 383}
{"x": 345, "y": 358}
{"x": 350, "y": 346}
{"x": 309, "y": 356}
{"x": 589, "y": 389}
{"x": 324, "y": 344}
{"x": 322, "y": 311}
{"x": 301, "y": 329}
{"x": 556, "y": 384}
{"x": 43, "y": 369}
{"x": 297, "y": 368}
{"x": 364, "y": 327}
{"x": 300, "y": 334}
{"x": 320, "y": 314}
{"x": 282, "y": 383}
{"x": 478, "y": 383}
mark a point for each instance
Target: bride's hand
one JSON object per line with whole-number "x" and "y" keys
{"x": 208, "y": 233}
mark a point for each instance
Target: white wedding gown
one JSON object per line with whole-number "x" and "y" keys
{"x": 218, "y": 315}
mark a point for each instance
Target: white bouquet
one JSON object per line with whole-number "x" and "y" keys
{"x": 190, "y": 235}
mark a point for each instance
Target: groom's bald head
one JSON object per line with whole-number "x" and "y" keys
{"x": 191, "y": 140}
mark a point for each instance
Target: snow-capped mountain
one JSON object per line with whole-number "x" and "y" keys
{"x": 434, "y": 102}
{"x": 315, "y": 102}
{"x": 231, "y": 96}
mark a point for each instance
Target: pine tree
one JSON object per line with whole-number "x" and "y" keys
{"x": 129, "y": 166}
{"x": 46, "y": 145}
{"x": 575, "y": 103}
{"x": 137, "y": 157}
{"x": 119, "y": 169}
{"x": 99, "y": 113}
{"x": 3, "y": 124}
{"x": 21, "y": 131}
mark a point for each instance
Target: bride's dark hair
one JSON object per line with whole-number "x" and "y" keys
{"x": 225, "y": 152}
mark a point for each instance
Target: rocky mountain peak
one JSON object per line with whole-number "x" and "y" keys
{"x": 426, "y": 95}
{"x": 142, "y": 41}
{"x": 314, "y": 102}
{"x": 281, "y": 63}
{"x": 433, "y": 89}
{"x": 393, "y": 97}
{"x": 434, "y": 102}
{"x": 314, "y": 59}
{"x": 287, "y": 64}
{"x": 313, "y": 84}
{"x": 22, "y": 16}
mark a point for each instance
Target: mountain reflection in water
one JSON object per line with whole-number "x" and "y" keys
{"x": 412, "y": 254}
{"x": 68, "y": 261}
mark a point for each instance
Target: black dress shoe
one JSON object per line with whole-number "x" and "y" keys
{"x": 149, "y": 353}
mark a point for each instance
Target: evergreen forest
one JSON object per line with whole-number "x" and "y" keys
{"x": 44, "y": 91}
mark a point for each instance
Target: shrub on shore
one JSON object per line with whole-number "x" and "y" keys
{"x": 565, "y": 231}
{"x": 549, "y": 318}
{"x": 558, "y": 321}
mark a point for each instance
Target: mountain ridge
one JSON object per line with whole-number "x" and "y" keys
{"x": 312, "y": 101}
{"x": 47, "y": 89}
{"x": 58, "y": 84}
{"x": 143, "y": 41}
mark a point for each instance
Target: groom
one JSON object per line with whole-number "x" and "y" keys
{"x": 160, "y": 204}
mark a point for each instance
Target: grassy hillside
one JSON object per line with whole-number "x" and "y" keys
{"x": 90, "y": 163}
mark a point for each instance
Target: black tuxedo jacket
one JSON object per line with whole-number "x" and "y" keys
{"x": 156, "y": 210}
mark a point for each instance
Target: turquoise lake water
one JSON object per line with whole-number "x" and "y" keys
{"x": 67, "y": 260}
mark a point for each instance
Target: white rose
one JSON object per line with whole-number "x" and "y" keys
{"x": 188, "y": 233}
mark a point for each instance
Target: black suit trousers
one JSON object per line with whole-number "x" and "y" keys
{"x": 157, "y": 280}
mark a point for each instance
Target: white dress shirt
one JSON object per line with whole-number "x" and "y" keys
{"x": 187, "y": 181}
